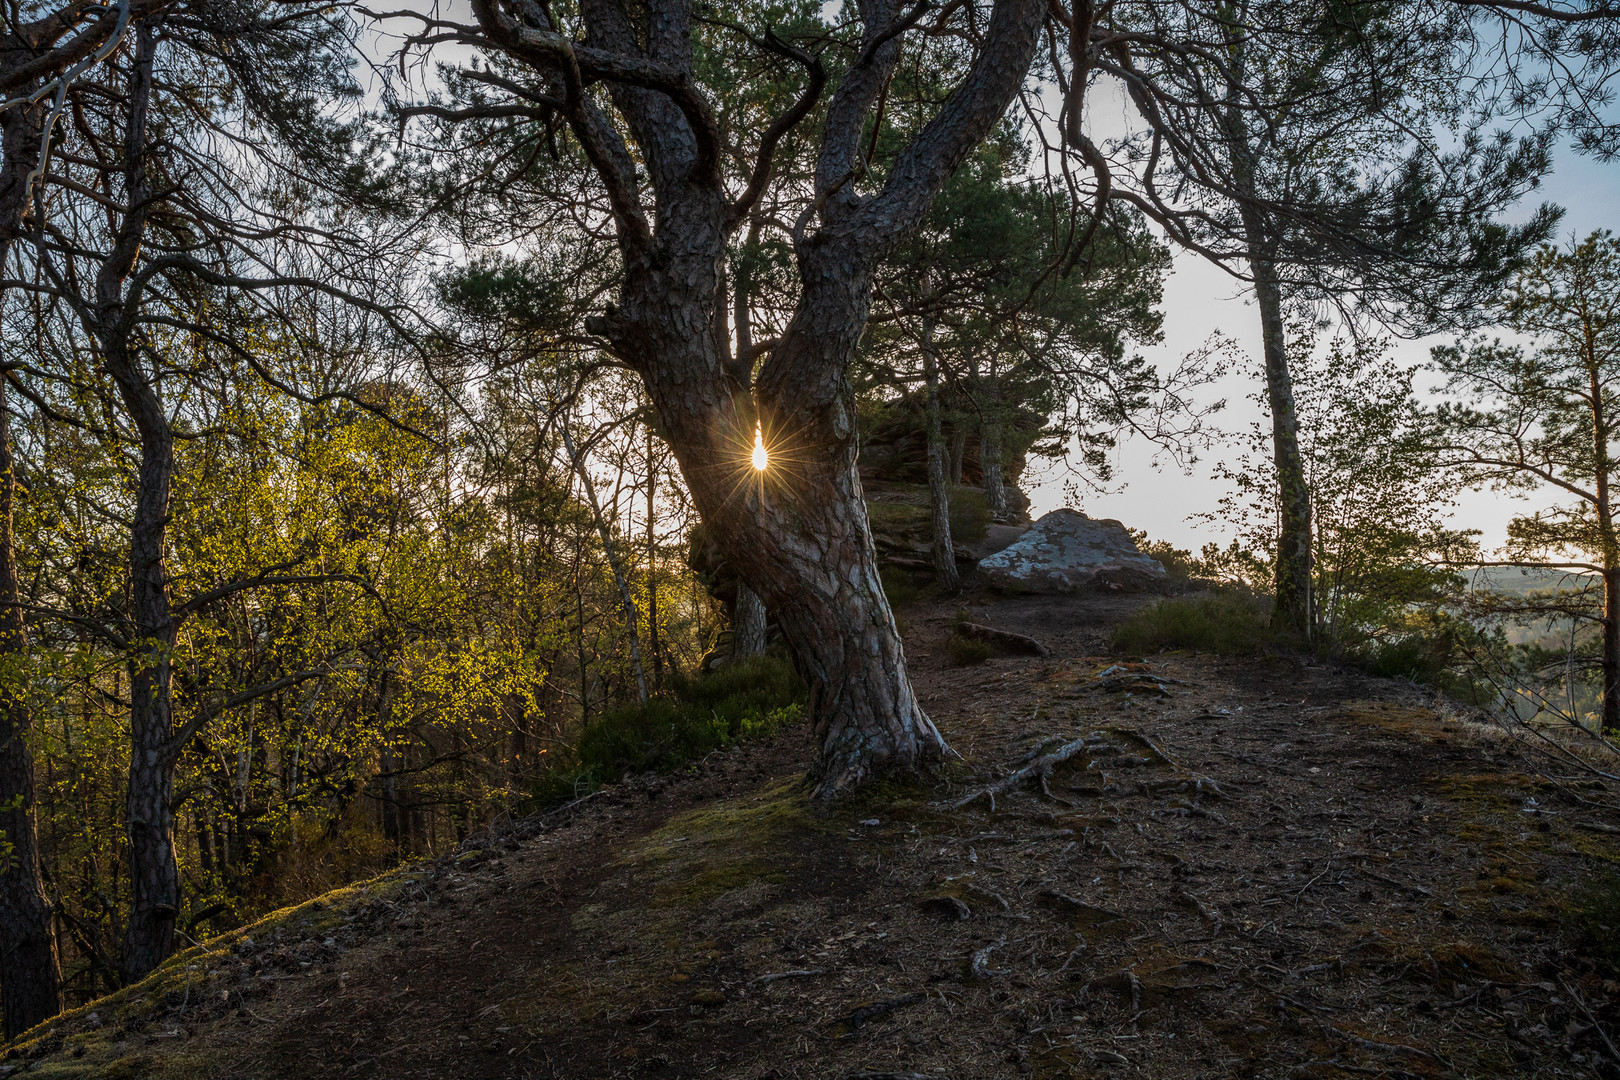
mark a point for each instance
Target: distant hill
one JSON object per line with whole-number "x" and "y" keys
{"x": 1525, "y": 580}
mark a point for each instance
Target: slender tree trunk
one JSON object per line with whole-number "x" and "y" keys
{"x": 1604, "y": 510}
{"x": 939, "y": 495}
{"x": 154, "y": 873}
{"x": 30, "y": 975}
{"x": 390, "y": 791}
{"x": 747, "y": 624}
{"x": 1293, "y": 605}
{"x": 622, "y": 580}
{"x": 995, "y": 491}
{"x": 1611, "y": 648}
{"x": 652, "y": 565}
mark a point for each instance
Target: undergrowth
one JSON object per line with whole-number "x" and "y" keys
{"x": 1596, "y": 909}
{"x": 1228, "y": 621}
{"x": 690, "y": 718}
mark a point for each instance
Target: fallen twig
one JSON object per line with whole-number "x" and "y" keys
{"x": 775, "y": 975}
{"x": 1206, "y": 913}
{"x": 1581, "y": 1002}
{"x": 1005, "y": 640}
{"x": 875, "y": 1010}
{"x": 1388, "y": 1048}
{"x": 1076, "y": 906}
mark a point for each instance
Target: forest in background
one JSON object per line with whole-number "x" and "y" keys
{"x": 349, "y": 510}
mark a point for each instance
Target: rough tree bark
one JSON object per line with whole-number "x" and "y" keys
{"x": 995, "y": 491}
{"x": 800, "y": 539}
{"x": 153, "y": 872}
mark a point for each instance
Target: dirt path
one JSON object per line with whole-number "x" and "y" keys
{"x": 1246, "y": 869}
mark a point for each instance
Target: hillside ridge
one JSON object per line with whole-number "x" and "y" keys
{"x": 1208, "y": 868}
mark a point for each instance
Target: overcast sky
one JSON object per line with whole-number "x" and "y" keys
{"x": 1199, "y": 298}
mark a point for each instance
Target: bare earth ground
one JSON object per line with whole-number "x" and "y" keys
{"x": 1256, "y": 868}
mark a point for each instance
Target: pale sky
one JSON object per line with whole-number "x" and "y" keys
{"x": 1199, "y": 298}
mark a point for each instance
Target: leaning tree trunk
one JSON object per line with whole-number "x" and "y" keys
{"x": 939, "y": 495}
{"x": 30, "y": 975}
{"x": 1293, "y": 607}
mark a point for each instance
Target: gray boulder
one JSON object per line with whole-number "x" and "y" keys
{"x": 1065, "y": 551}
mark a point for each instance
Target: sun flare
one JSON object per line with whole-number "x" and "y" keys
{"x": 761, "y": 459}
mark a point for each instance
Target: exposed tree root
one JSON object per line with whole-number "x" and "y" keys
{"x": 1036, "y": 766}
{"x": 979, "y": 967}
{"x": 1005, "y": 640}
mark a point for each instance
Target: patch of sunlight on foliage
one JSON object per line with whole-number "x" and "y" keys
{"x": 1228, "y": 621}
{"x": 693, "y": 717}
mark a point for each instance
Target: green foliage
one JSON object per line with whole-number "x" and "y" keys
{"x": 1381, "y": 546}
{"x": 1540, "y": 419}
{"x": 1229, "y": 621}
{"x": 744, "y": 699}
{"x": 965, "y": 651}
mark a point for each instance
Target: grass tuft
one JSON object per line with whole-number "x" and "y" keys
{"x": 1229, "y": 621}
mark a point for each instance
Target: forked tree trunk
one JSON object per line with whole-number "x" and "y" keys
{"x": 30, "y": 975}
{"x": 798, "y": 532}
{"x": 939, "y": 495}
{"x": 798, "y": 535}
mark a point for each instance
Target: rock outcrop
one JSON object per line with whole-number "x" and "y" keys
{"x": 1066, "y": 551}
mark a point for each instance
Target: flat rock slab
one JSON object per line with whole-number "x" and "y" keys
{"x": 1066, "y": 551}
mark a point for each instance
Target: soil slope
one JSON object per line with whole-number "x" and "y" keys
{"x": 1256, "y": 868}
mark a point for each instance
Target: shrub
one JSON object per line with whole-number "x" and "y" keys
{"x": 965, "y": 651}
{"x": 1225, "y": 621}
{"x": 691, "y": 718}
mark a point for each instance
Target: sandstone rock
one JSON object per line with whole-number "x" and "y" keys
{"x": 1066, "y": 551}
